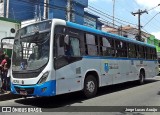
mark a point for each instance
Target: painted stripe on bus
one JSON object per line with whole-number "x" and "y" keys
{"x": 113, "y": 58}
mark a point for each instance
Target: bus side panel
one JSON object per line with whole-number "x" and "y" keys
{"x": 150, "y": 69}
{"x": 91, "y": 63}
{"x": 107, "y": 73}
{"x": 134, "y": 70}
{"x": 69, "y": 78}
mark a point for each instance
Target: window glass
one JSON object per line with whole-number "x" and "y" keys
{"x": 107, "y": 47}
{"x": 90, "y": 39}
{"x": 67, "y": 45}
{"x": 141, "y": 51}
{"x": 75, "y": 46}
{"x": 131, "y": 50}
{"x": 148, "y": 53}
{"x": 106, "y": 42}
{"x": 121, "y": 48}
{"x": 60, "y": 45}
{"x": 92, "y": 47}
{"x": 153, "y": 53}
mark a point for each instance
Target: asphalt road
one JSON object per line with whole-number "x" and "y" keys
{"x": 124, "y": 96}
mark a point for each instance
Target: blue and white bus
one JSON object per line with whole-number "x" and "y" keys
{"x": 56, "y": 57}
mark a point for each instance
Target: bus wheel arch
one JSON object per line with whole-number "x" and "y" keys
{"x": 91, "y": 84}
{"x": 142, "y": 76}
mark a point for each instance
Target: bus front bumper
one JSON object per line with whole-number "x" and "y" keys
{"x": 45, "y": 89}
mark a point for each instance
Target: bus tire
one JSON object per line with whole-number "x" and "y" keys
{"x": 141, "y": 77}
{"x": 90, "y": 86}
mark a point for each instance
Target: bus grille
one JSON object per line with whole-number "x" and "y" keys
{"x": 28, "y": 90}
{"x": 25, "y": 75}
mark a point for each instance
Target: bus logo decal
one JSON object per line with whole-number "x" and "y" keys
{"x": 106, "y": 67}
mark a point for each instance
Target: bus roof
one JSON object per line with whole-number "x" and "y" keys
{"x": 92, "y": 30}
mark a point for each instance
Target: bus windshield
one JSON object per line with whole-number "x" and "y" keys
{"x": 30, "y": 50}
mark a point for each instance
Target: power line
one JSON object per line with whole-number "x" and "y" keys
{"x": 90, "y": 7}
{"x": 146, "y": 19}
{"x": 153, "y": 8}
{"x": 64, "y": 9}
{"x": 151, "y": 19}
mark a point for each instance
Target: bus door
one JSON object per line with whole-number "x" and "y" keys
{"x": 68, "y": 78}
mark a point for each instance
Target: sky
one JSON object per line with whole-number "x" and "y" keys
{"x": 150, "y": 22}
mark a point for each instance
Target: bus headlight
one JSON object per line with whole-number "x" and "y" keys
{"x": 43, "y": 78}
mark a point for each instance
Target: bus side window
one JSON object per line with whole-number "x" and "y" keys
{"x": 91, "y": 45}
{"x": 131, "y": 50}
{"x": 107, "y": 47}
{"x": 67, "y": 46}
{"x": 75, "y": 46}
{"x": 148, "y": 53}
{"x": 60, "y": 45}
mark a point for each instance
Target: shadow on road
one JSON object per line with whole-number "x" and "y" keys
{"x": 68, "y": 99}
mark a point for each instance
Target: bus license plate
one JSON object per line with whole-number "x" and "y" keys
{"x": 23, "y": 93}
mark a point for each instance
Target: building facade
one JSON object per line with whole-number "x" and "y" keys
{"x": 8, "y": 28}
{"x": 23, "y": 10}
{"x": 26, "y": 9}
{"x": 152, "y": 40}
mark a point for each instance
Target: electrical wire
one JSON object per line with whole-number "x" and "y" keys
{"x": 105, "y": 15}
{"x": 151, "y": 19}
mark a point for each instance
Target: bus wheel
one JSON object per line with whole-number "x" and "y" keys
{"x": 90, "y": 86}
{"x": 141, "y": 77}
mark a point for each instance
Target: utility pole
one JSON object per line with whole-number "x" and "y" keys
{"x": 40, "y": 12}
{"x": 139, "y": 13}
{"x": 45, "y": 14}
{"x": 69, "y": 7}
{"x": 113, "y": 11}
{"x": 7, "y": 9}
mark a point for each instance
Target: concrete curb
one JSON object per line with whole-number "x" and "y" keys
{"x": 8, "y": 96}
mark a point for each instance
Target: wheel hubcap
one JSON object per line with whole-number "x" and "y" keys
{"x": 90, "y": 86}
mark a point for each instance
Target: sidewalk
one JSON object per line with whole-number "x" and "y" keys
{"x": 8, "y": 96}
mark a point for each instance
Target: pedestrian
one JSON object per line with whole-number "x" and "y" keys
{"x": 8, "y": 67}
{"x": 2, "y": 56}
{"x": 4, "y": 72}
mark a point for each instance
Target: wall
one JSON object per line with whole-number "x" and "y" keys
{"x": 92, "y": 21}
{"x": 59, "y": 11}
{"x": 152, "y": 40}
{"x": 25, "y": 9}
{"x": 5, "y": 28}
{"x": 1, "y": 9}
